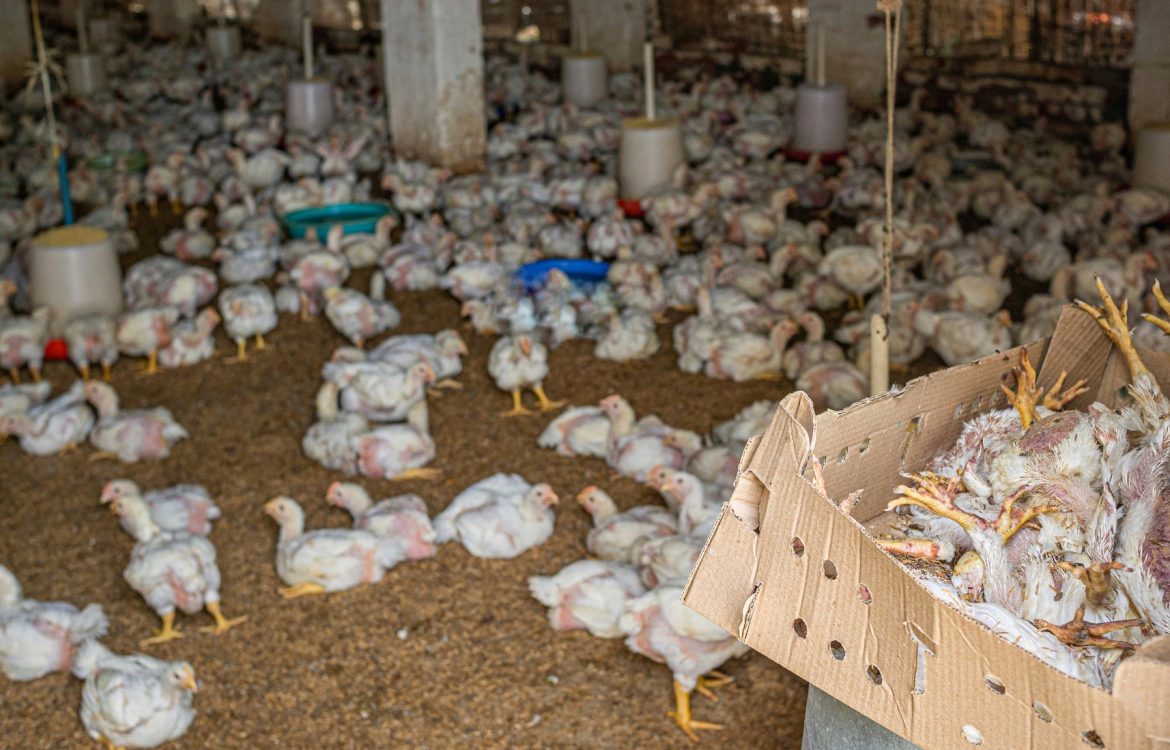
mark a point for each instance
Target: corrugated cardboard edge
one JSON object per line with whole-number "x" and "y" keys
{"x": 888, "y": 645}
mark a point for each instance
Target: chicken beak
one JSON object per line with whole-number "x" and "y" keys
{"x": 526, "y": 346}
{"x": 332, "y": 494}
{"x": 189, "y": 683}
{"x": 270, "y": 508}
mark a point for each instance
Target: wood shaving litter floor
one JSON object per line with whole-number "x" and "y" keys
{"x": 446, "y": 652}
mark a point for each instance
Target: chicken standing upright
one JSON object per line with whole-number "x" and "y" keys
{"x": 518, "y": 362}
{"x": 92, "y": 338}
{"x": 248, "y": 310}
{"x": 37, "y": 638}
{"x": 134, "y": 701}
{"x": 172, "y": 571}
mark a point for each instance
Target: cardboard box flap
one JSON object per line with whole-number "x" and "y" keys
{"x": 1141, "y": 687}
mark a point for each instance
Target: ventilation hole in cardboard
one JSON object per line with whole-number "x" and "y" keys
{"x": 863, "y": 447}
{"x": 994, "y": 684}
{"x": 1092, "y": 739}
{"x": 800, "y": 628}
{"x": 844, "y": 454}
{"x": 972, "y": 735}
{"x": 797, "y": 547}
{"x": 830, "y": 569}
{"x": 960, "y": 409}
{"x": 837, "y": 650}
{"x": 1043, "y": 713}
{"x": 863, "y": 593}
{"x": 874, "y": 674}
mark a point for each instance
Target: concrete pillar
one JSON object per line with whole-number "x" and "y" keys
{"x": 278, "y": 21}
{"x": 16, "y": 45}
{"x": 855, "y": 47}
{"x": 433, "y": 62}
{"x": 172, "y": 18}
{"x": 1149, "y": 81}
{"x": 831, "y": 725}
{"x": 616, "y": 29}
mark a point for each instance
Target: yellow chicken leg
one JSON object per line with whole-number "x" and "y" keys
{"x": 176, "y": 206}
{"x": 682, "y": 714}
{"x": 83, "y": 368}
{"x": 545, "y": 403}
{"x": 14, "y": 374}
{"x": 261, "y": 344}
{"x": 705, "y": 684}
{"x": 517, "y": 407}
{"x": 301, "y": 589}
{"x": 241, "y": 351}
{"x": 222, "y": 623}
{"x": 428, "y": 474}
{"x": 106, "y": 374}
{"x": 151, "y": 363}
{"x": 168, "y": 632}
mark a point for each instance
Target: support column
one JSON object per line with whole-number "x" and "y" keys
{"x": 171, "y": 19}
{"x": 278, "y": 21}
{"x": 855, "y": 47}
{"x": 16, "y": 47}
{"x": 1149, "y": 81}
{"x": 616, "y": 29}
{"x": 433, "y": 67}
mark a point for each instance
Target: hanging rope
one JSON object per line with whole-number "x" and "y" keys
{"x": 42, "y": 69}
{"x": 879, "y": 325}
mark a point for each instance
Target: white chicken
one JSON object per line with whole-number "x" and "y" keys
{"x": 619, "y": 536}
{"x": 379, "y": 391}
{"x": 398, "y": 451}
{"x": 53, "y": 427}
{"x": 578, "y": 431}
{"x": 498, "y": 517}
{"x": 143, "y": 332}
{"x": 401, "y": 521}
{"x": 358, "y": 317}
{"x": 134, "y": 701}
{"x": 323, "y": 560}
{"x": 91, "y": 338}
{"x": 518, "y": 362}
{"x": 587, "y": 594}
{"x": 191, "y": 340}
{"x": 186, "y": 508}
{"x": 131, "y": 436}
{"x": 330, "y": 440}
{"x": 37, "y": 638}
{"x": 443, "y": 351}
{"x": 172, "y": 571}
{"x": 248, "y": 310}
{"x": 22, "y": 343}
{"x": 636, "y": 447}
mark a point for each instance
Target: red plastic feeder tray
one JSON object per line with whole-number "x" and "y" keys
{"x": 827, "y": 157}
{"x": 631, "y": 208}
{"x": 56, "y": 349}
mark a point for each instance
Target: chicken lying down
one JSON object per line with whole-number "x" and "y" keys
{"x": 587, "y": 595}
{"x": 443, "y": 351}
{"x": 323, "y": 560}
{"x": 668, "y": 559}
{"x": 53, "y": 427}
{"x": 498, "y": 517}
{"x": 131, "y": 436}
{"x": 379, "y": 391}
{"x": 17, "y": 400}
{"x": 134, "y": 701}
{"x": 518, "y": 362}
{"x": 330, "y": 440}
{"x": 184, "y": 508}
{"x": 1042, "y": 500}
{"x": 397, "y": 451}
{"x": 620, "y": 536}
{"x": 172, "y": 571}
{"x": 402, "y": 520}
{"x": 659, "y": 627}
{"x": 578, "y": 431}
{"x": 192, "y": 341}
{"x": 37, "y": 638}
{"x": 637, "y": 446}
{"x": 357, "y": 317}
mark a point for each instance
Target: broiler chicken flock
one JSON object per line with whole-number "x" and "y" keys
{"x": 749, "y": 292}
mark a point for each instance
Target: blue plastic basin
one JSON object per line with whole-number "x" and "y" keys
{"x": 585, "y": 272}
{"x": 355, "y": 218}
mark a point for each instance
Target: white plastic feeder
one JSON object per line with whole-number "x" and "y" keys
{"x": 822, "y": 111}
{"x": 651, "y": 147}
{"x": 583, "y": 74}
{"x": 309, "y": 106}
{"x": 583, "y": 78}
{"x": 87, "y": 73}
{"x": 223, "y": 42}
{"x": 1151, "y": 160}
{"x": 308, "y": 101}
{"x": 74, "y": 270}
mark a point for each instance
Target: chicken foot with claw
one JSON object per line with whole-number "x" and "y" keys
{"x": 1097, "y": 578}
{"x": 168, "y": 632}
{"x": 1077, "y": 632}
{"x": 222, "y": 624}
{"x": 1114, "y": 321}
{"x": 682, "y": 714}
{"x": 1028, "y": 396}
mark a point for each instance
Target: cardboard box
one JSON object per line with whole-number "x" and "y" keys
{"x": 814, "y": 593}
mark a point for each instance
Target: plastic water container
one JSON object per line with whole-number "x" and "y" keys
{"x": 308, "y": 106}
{"x": 650, "y": 152}
{"x": 355, "y": 218}
{"x": 74, "y": 270}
